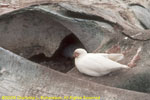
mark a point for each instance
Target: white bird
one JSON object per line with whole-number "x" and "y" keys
{"x": 97, "y": 64}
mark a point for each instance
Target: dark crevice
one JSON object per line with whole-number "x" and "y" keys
{"x": 54, "y": 4}
{"x": 143, "y": 25}
{"x": 58, "y": 63}
{"x": 42, "y": 4}
{"x": 62, "y": 60}
{"x": 86, "y": 16}
{"x": 134, "y": 38}
{"x": 120, "y": 29}
{"x": 39, "y": 58}
{"x": 136, "y": 4}
{"x": 68, "y": 45}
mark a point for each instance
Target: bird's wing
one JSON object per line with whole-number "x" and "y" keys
{"x": 100, "y": 63}
{"x": 113, "y": 56}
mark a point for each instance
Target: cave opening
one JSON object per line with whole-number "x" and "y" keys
{"x": 62, "y": 60}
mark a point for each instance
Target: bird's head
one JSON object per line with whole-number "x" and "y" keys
{"x": 79, "y": 52}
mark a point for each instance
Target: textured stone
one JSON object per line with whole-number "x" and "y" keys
{"x": 43, "y": 29}
{"x": 143, "y": 15}
{"x": 31, "y": 33}
{"x": 21, "y": 77}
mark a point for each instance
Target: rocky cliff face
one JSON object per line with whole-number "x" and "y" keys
{"x": 48, "y": 33}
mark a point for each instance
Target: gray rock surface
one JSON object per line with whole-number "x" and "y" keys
{"x": 31, "y": 33}
{"x": 20, "y": 77}
{"x": 41, "y": 29}
{"x": 143, "y": 15}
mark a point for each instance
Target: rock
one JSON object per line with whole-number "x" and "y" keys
{"x": 143, "y": 15}
{"x": 135, "y": 78}
{"x": 31, "y": 35}
{"x": 25, "y": 78}
{"x": 41, "y": 29}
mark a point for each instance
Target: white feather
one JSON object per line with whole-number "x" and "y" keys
{"x": 97, "y": 64}
{"x": 112, "y": 56}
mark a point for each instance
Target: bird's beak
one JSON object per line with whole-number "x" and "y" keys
{"x": 75, "y": 54}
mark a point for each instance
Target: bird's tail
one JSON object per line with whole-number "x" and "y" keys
{"x": 125, "y": 66}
